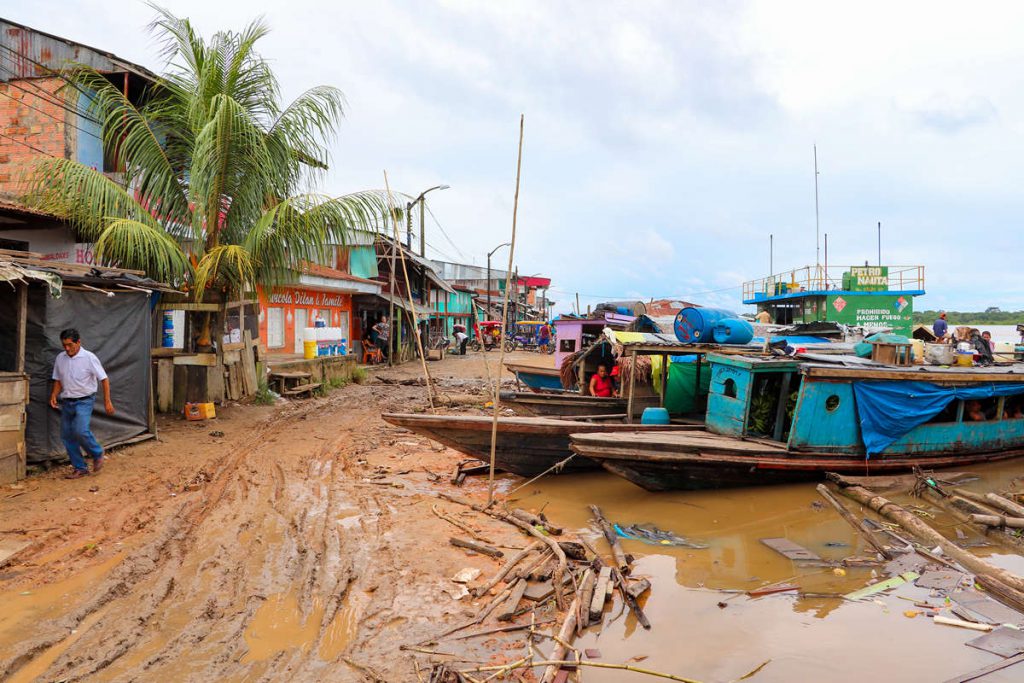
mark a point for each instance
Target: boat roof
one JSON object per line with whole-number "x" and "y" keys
{"x": 1012, "y": 372}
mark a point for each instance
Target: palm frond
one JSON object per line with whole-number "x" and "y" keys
{"x": 136, "y": 244}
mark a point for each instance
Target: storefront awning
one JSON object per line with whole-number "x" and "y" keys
{"x": 387, "y": 300}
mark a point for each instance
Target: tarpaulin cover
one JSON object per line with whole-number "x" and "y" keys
{"x": 681, "y": 393}
{"x": 118, "y": 330}
{"x": 889, "y": 410}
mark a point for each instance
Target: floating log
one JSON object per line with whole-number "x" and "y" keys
{"x": 537, "y": 521}
{"x": 1005, "y": 505}
{"x": 586, "y": 595}
{"x": 630, "y": 601}
{"x": 848, "y": 516}
{"x": 998, "y": 521}
{"x": 638, "y": 588}
{"x": 912, "y": 523}
{"x": 621, "y": 562}
{"x": 475, "y": 547}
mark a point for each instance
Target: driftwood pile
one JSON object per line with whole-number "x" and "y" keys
{"x": 570, "y": 574}
{"x": 944, "y": 565}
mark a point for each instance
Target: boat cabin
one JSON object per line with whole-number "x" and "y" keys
{"x": 870, "y": 410}
{"x": 577, "y": 334}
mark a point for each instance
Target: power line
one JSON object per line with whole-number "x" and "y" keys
{"x": 46, "y": 95}
{"x": 55, "y": 118}
{"x": 22, "y": 142}
{"x": 444, "y": 232}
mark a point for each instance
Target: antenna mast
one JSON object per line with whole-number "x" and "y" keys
{"x": 817, "y": 221}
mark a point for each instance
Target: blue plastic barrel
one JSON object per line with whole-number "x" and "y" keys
{"x": 654, "y": 416}
{"x": 694, "y": 325}
{"x": 733, "y": 331}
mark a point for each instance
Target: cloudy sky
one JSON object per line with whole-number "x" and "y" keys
{"x": 665, "y": 141}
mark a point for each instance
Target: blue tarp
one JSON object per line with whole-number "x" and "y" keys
{"x": 888, "y": 410}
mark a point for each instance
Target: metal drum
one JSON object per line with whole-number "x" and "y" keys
{"x": 695, "y": 325}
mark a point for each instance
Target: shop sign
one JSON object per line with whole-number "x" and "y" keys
{"x": 299, "y": 297}
{"x": 869, "y": 278}
{"x": 873, "y": 311}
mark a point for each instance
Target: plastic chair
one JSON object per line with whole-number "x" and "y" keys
{"x": 372, "y": 355}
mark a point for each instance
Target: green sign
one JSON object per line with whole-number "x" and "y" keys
{"x": 867, "y": 279}
{"x": 894, "y": 311}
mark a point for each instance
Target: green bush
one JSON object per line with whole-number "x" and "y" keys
{"x": 264, "y": 396}
{"x": 359, "y": 374}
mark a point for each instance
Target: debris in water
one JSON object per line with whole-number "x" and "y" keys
{"x": 652, "y": 535}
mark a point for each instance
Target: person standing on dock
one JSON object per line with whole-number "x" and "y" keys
{"x": 764, "y": 317}
{"x": 941, "y": 327}
{"x": 77, "y": 374}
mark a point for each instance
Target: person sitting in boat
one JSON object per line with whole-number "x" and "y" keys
{"x": 1014, "y": 409}
{"x": 987, "y": 336}
{"x": 940, "y": 328}
{"x": 601, "y": 384}
{"x": 973, "y": 412}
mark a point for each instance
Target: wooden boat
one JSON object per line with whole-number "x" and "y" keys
{"x": 563, "y": 404}
{"x": 535, "y": 377}
{"x": 525, "y": 446}
{"x": 774, "y": 421}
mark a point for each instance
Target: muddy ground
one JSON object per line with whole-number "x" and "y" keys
{"x": 289, "y": 542}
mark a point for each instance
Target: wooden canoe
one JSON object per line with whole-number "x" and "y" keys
{"x": 569, "y": 404}
{"x": 535, "y": 377}
{"x": 700, "y": 459}
{"x": 525, "y": 446}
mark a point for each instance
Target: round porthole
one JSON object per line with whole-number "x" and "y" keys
{"x": 730, "y": 388}
{"x": 831, "y": 403}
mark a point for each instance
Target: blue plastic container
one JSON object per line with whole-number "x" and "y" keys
{"x": 733, "y": 331}
{"x": 168, "y": 330}
{"x": 654, "y": 416}
{"x": 695, "y": 325}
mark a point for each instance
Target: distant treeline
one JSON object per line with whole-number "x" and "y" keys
{"x": 972, "y": 318}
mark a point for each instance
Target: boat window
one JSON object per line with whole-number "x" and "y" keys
{"x": 567, "y": 345}
{"x": 831, "y": 403}
{"x": 1013, "y": 408}
{"x": 729, "y": 389}
{"x": 981, "y": 410}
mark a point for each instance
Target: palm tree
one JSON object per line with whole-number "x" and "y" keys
{"x": 215, "y": 194}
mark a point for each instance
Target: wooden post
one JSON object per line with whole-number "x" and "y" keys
{"x": 19, "y": 364}
{"x": 664, "y": 378}
{"x": 780, "y": 410}
{"x": 632, "y": 383}
{"x": 696, "y": 389}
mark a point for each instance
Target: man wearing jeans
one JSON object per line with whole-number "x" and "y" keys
{"x": 76, "y": 376}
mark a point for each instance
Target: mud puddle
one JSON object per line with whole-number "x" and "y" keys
{"x": 818, "y": 636}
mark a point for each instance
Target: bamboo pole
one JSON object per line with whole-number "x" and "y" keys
{"x": 931, "y": 537}
{"x": 848, "y": 516}
{"x": 504, "y": 318}
{"x": 412, "y": 305}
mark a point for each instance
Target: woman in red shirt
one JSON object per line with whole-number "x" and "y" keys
{"x": 601, "y": 384}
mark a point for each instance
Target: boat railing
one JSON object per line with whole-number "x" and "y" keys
{"x": 821, "y": 279}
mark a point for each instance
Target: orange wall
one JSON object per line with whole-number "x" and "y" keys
{"x": 291, "y": 298}
{"x": 29, "y": 120}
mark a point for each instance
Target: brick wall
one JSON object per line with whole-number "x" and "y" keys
{"x": 28, "y": 116}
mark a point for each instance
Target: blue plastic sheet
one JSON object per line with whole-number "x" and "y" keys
{"x": 889, "y": 410}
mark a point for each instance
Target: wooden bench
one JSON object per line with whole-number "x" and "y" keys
{"x": 301, "y": 389}
{"x": 284, "y": 378}
{"x": 891, "y": 353}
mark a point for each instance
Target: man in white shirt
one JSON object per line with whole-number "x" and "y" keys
{"x": 77, "y": 373}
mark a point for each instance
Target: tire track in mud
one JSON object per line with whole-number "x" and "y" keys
{"x": 180, "y": 607}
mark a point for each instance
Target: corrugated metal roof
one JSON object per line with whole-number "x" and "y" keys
{"x": 31, "y": 53}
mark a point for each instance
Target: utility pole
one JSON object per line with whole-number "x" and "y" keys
{"x": 879, "y": 243}
{"x": 489, "y": 254}
{"x": 408, "y": 218}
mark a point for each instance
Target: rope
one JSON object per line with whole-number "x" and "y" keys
{"x": 557, "y": 467}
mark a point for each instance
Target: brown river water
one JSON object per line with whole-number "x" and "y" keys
{"x": 803, "y": 638}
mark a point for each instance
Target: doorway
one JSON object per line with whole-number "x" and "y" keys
{"x": 301, "y": 323}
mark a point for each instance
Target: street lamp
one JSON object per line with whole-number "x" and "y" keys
{"x": 489, "y": 254}
{"x": 408, "y": 218}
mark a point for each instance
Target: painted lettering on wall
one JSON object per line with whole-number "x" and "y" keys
{"x": 299, "y": 297}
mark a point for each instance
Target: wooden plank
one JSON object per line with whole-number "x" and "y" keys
{"x": 233, "y": 347}
{"x": 204, "y": 359}
{"x": 1003, "y": 641}
{"x": 789, "y": 549}
{"x": 1011, "y": 374}
{"x": 507, "y": 610}
{"x": 215, "y": 383}
{"x": 11, "y": 417}
{"x": 162, "y": 352}
{"x": 20, "y": 331}
{"x": 249, "y": 381}
{"x": 992, "y": 668}
{"x": 604, "y": 579}
{"x": 165, "y": 385}
{"x": 14, "y": 390}
{"x": 189, "y": 307}
{"x": 232, "y": 357}
{"x": 481, "y": 548}
{"x": 632, "y": 386}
